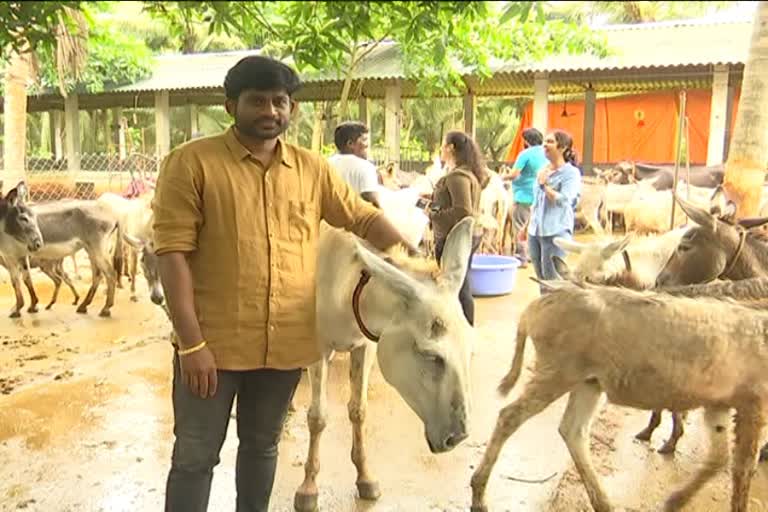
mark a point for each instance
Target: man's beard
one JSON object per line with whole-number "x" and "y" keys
{"x": 262, "y": 129}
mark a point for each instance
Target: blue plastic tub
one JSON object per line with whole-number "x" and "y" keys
{"x": 491, "y": 274}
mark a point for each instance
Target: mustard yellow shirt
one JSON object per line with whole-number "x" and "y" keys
{"x": 251, "y": 237}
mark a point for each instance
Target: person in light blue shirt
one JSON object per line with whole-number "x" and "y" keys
{"x": 523, "y": 176}
{"x": 555, "y": 198}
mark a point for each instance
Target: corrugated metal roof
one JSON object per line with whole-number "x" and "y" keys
{"x": 633, "y": 47}
{"x": 665, "y": 44}
{"x": 196, "y": 71}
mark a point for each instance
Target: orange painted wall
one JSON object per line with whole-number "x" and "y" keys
{"x": 639, "y": 127}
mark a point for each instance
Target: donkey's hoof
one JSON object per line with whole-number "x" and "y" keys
{"x": 643, "y": 436}
{"x": 15, "y": 314}
{"x": 478, "y": 508}
{"x": 667, "y": 449}
{"x": 32, "y": 309}
{"x": 674, "y": 503}
{"x": 134, "y": 298}
{"x": 368, "y": 490}
{"x": 305, "y": 502}
{"x": 105, "y": 313}
{"x": 49, "y": 306}
{"x": 82, "y": 310}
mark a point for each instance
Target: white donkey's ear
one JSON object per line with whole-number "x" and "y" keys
{"x": 616, "y": 246}
{"x": 398, "y": 281}
{"x": 21, "y": 189}
{"x": 569, "y": 245}
{"x": 455, "y": 258}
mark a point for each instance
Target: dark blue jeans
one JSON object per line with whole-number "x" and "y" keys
{"x": 465, "y": 294}
{"x": 200, "y": 426}
{"x": 541, "y": 249}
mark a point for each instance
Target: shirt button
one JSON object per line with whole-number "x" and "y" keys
{"x": 271, "y": 327}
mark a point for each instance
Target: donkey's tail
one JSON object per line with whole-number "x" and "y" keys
{"x": 510, "y": 379}
{"x": 117, "y": 249}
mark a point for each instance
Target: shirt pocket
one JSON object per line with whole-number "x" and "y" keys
{"x": 302, "y": 221}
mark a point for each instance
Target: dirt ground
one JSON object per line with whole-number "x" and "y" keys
{"x": 86, "y": 425}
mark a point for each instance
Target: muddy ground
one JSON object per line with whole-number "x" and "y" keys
{"x": 86, "y": 425}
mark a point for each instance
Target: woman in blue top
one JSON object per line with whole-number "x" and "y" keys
{"x": 555, "y": 198}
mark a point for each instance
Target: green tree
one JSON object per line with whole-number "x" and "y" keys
{"x": 497, "y": 120}
{"x": 439, "y": 41}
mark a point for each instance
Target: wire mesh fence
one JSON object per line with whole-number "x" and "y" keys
{"x": 51, "y": 179}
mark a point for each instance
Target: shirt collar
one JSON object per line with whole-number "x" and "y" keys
{"x": 285, "y": 152}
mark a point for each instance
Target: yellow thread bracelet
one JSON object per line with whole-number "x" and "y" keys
{"x": 190, "y": 350}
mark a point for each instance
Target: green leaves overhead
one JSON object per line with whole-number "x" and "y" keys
{"x": 439, "y": 40}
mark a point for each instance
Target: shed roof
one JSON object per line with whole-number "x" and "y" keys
{"x": 642, "y": 57}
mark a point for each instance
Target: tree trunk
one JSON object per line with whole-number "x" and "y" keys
{"x": 344, "y": 100}
{"x": 748, "y": 153}
{"x": 17, "y": 77}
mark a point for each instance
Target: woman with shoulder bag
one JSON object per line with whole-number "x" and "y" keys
{"x": 456, "y": 196}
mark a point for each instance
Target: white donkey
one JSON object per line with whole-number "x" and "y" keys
{"x": 412, "y": 318}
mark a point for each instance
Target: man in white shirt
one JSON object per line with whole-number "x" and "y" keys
{"x": 351, "y": 161}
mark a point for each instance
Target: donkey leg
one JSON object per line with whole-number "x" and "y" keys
{"x": 750, "y": 422}
{"x": 50, "y": 271}
{"x": 95, "y": 281}
{"x": 133, "y": 271}
{"x": 574, "y": 427}
{"x": 16, "y": 311}
{"x": 361, "y": 361}
{"x": 102, "y": 262}
{"x": 538, "y": 394}
{"x": 646, "y": 434}
{"x": 305, "y": 499}
{"x": 677, "y": 432}
{"x": 31, "y": 288}
{"x": 74, "y": 264}
{"x": 717, "y": 421}
{"x": 65, "y": 277}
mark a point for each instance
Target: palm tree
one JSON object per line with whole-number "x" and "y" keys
{"x": 71, "y": 54}
{"x": 748, "y": 153}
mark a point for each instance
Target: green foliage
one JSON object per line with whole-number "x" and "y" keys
{"x": 439, "y": 40}
{"x": 32, "y": 24}
{"x": 497, "y": 120}
{"x": 114, "y": 58}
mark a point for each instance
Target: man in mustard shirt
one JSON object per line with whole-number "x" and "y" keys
{"x": 237, "y": 221}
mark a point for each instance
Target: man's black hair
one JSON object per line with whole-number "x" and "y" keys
{"x": 261, "y": 74}
{"x": 348, "y": 131}
{"x": 533, "y": 137}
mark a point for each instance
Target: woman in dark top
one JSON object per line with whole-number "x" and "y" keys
{"x": 456, "y": 196}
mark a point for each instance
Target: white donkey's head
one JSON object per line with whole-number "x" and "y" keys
{"x": 424, "y": 351}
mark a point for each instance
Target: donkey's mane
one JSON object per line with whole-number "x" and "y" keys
{"x": 422, "y": 267}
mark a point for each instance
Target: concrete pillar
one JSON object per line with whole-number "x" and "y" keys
{"x": 57, "y": 133}
{"x": 122, "y": 129}
{"x": 589, "y": 130}
{"x": 162, "y": 123}
{"x": 718, "y": 115}
{"x": 194, "y": 126}
{"x": 392, "y": 116}
{"x": 540, "y": 101}
{"x": 470, "y": 105}
{"x": 72, "y": 132}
